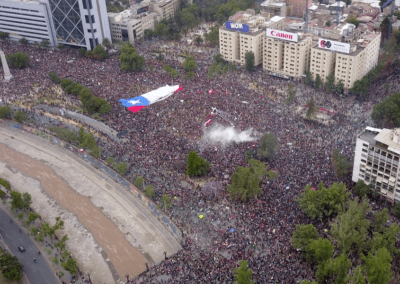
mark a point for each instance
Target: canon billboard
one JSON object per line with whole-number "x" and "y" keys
{"x": 334, "y": 45}
{"x": 282, "y": 35}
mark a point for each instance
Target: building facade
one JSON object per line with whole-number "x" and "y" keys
{"x": 81, "y": 23}
{"x": 376, "y": 161}
{"x": 297, "y": 8}
{"x": 26, "y": 19}
{"x": 128, "y": 26}
{"x": 289, "y": 55}
{"x": 165, "y": 8}
{"x": 322, "y": 62}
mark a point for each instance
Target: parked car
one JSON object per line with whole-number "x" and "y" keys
{"x": 21, "y": 248}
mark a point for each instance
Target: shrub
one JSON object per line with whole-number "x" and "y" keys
{"x": 5, "y": 112}
{"x": 60, "y": 46}
{"x": 18, "y": 59}
{"x": 20, "y": 116}
{"x": 5, "y": 183}
{"x": 2, "y": 193}
{"x": 23, "y": 40}
{"x": 54, "y": 77}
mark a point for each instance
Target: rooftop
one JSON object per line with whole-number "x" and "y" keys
{"x": 390, "y": 138}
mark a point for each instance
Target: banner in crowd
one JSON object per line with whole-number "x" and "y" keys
{"x": 137, "y": 103}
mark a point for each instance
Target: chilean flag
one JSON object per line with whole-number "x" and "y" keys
{"x": 137, "y": 103}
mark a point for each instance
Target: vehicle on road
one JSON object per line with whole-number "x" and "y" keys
{"x": 21, "y": 248}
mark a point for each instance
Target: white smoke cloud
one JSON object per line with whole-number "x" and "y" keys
{"x": 219, "y": 134}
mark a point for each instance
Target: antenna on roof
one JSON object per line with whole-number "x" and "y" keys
{"x": 338, "y": 12}
{"x": 306, "y": 19}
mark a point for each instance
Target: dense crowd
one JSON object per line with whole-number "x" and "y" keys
{"x": 161, "y": 136}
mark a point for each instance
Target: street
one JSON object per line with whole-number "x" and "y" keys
{"x": 37, "y": 273}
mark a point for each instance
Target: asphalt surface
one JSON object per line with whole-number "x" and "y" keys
{"x": 37, "y": 273}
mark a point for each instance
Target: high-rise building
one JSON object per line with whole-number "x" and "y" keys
{"x": 26, "y": 19}
{"x": 81, "y": 23}
{"x": 376, "y": 161}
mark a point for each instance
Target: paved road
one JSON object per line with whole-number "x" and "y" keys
{"x": 37, "y": 273}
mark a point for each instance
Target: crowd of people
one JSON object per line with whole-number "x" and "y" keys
{"x": 161, "y": 136}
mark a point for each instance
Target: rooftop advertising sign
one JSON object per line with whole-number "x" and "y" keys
{"x": 334, "y": 45}
{"x": 237, "y": 26}
{"x": 282, "y": 35}
{"x": 142, "y": 10}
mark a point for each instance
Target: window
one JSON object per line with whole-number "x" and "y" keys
{"x": 87, "y": 19}
{"x": 85, "y": 5}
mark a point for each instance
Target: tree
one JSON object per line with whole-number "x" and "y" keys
{"x": 17, "y": 201}
{"x": 351, "y": 226}
{"x": 249, "y": 59}
{"x": 396, "y": 209}
{"x": 190, "y": 64}
{"x": 330, "y": 82}
{"x": 98, "y": 53}
{"x": 18, "y": 59}
{"x": 323, "y": 201}
{"x": 106, "y": 43}
{"x": 361, "y": 189}
{"x": 384, "y": 28}
{"x": 378, "y": 266}
{"x": 269, "y": 146}
{"x": 198, "y": 40}
{"x": 149, "y": 191}
{"x": 353, "y": 20}
{"x": 129, "y": 59}
{"x": 166, "y": 201}
{"x": 122, "y": 168}
{"x": 387, "y": 112}
{"x": 308, "y": 79}
{"x": 303, "y": 235}
{"x": 312, "y": 108}
{"x": 139, "y": 182}
{"x": 5, "y": 112}
{"x": 196, "y": 166}
{"x": 291, "y": 90}
{"x": 380, "y": 220}
{"x": 148, "y": 34}
{"x": 4, "y": 35}
{"x": 23, "y": 40}
{"x": 20, "y": 116}
{"x": 61, "y": 46}
{"x": 318, "y": 81}
{"x": 245, "y": 181}
{"x": 319, "y": 250}
{"x": 70, "y": 265}
{"x": 340, "y": 163}
{"x": 335, "y": 268}
{"x": 328, "y": 23}
{"x": 32, "y": 216}
{"x": 361, "y": 87}
{"x": 213, "y": 36}
{"x": 55, "y": 78}
{"x": 10, "y": 267}
{"x": 387, "y": 239}
{"x": 243, "y": 274}
{"x": 340, "y": 87}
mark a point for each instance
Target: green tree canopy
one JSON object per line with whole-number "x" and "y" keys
{"x": 245, "y": 181}
{"x": 98, "y": 53}
{"x": 243, "y": 274}
{"x": 312, "y": 108}
{"x": 361, "y": 189}
{"x": 335, "y": 270}
{"x": 196, "y": 166}
{"x": 351, "y": 226}
{"x": 330, "y": 82}
{"x": 269, "y": 146}
{"x": 190, "y": 64}
{"x": 378, "y": 266}
{"x": 340, "y": 87}
{"x": 308, "y": 78}
{"x": 353, "y": 20}
{"x": 340, "y": 163}
{"x": 5, "y": 112}
{"x": 129, "y": 59}
{"x": 10, "y": 267}
{"x": 319, "y": 250}
{"x": 323, "y": 201}
{"x": 18, "y": 59}
{"x": 303, "y": 235}
{"x": 20, "y": 201}
{"x": 20, "y": 116}
{"x": 213, "y": 36}
{"x": 387, "y": 112}
{"x": 249, "y": 59}
{"x": 318, "y": 81}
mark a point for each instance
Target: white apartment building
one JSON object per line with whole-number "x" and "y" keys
{"x": 81, "y": 23}
{"x": 26, "y": 19}
{"x": 376, "y": 161}
{"x": 287, "y": 54}
{"x": 274, "y": 8}
{"x": 129, "y": 26}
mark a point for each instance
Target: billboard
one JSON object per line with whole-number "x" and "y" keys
{"x": 237, "y": 26}
{"x": 282, "y": 35}
{"x": 334, "y": 45}
{"x": 142, "y": 10}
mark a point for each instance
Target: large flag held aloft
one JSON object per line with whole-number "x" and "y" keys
{"x": 137, "y": 103}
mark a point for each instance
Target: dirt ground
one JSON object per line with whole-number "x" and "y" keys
{"x": 104, "y": 235}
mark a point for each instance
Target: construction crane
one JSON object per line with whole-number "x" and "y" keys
{"x": 306, "y": 19}
{"x": 388, "y": 2}
{"x": 338, "y": 13}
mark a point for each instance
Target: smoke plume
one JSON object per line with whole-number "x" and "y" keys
{"x": 219, "y": 134}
